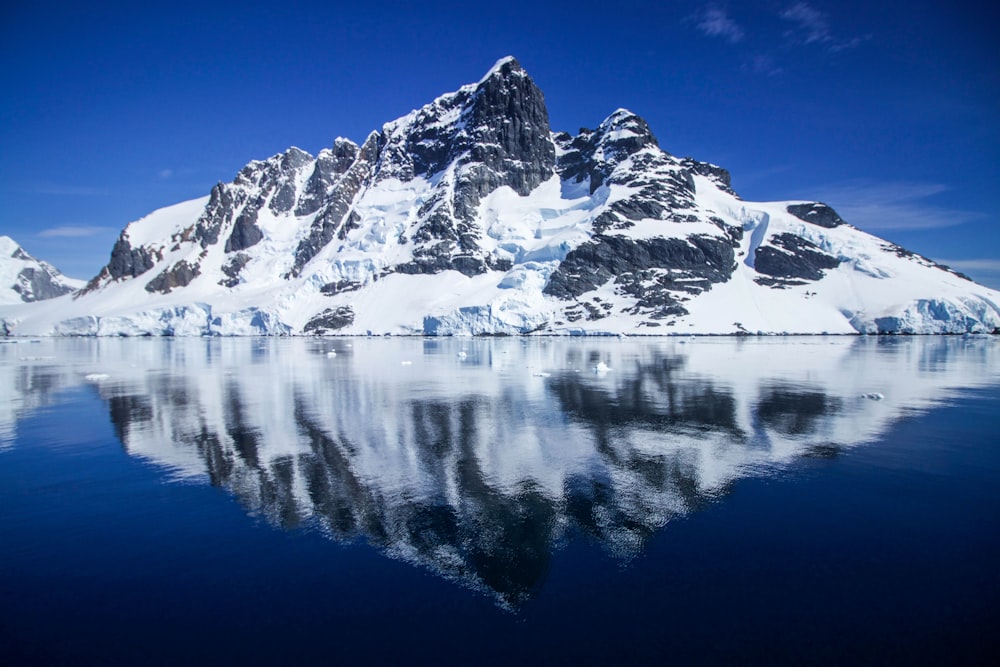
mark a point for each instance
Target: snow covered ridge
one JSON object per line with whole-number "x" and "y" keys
{"x": 470, "y": 216}
{"x": 24, "y": 279}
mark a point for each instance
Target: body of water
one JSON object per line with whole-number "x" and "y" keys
{"x": 813, "y": 500}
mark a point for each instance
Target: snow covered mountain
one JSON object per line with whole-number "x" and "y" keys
{"x": 470, "y": 216}
{"x": 25, "y": 279}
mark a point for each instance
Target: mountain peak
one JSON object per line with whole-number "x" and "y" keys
{"x": 8, "y": 246}
{"x": 504, "y": 67}
{"x": 625, "y": 127}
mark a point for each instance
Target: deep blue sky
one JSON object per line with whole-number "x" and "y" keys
{"x": 889, "y": 111}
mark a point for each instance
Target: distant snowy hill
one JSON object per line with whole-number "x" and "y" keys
{"x": 25, "y": 279}
{"x": 470, "y": 216}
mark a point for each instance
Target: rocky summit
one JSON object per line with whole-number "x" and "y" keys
{"x": 471, "y": 216}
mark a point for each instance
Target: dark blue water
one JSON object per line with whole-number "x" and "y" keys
{"x": 790, "y": 542}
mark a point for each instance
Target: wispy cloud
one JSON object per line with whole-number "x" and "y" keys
{"x": 812, "y": 23}
{"x": 73, "y": 232}
{"x": 893, "y": 205}
{"x": 164, "y": 174}
{"x": 713, "y": 21}
{"x": 811, "y": 26}
{"x": 762, "y": 64}
{"x": 802, "y": 25}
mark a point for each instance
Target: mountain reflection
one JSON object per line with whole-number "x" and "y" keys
{"x": 476, "y": 458}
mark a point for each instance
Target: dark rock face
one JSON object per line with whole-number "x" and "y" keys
{"x": 330, "y": 320}
{"x": 340, "y": 286}
{"x": 35, "y": 285}
{"x": 333, "y": 214}
{"x": 218, "y": 212}
{"x": 663, "y": 187}
{"x": 273, "y": 183}
{"x": 508, "y": 137}
{"x": 791, "y": 256}
{"x": 246, "y": 233}
{"x": 233, "y": 268}
{"x": 593, "y": 154}
{"x": 269, "y": 183}
{"x": 718, "y": 175}
{"x": 278, "y": 178}
{"x": 129, "y": 262}
{"x": 817, "y": 214}
{"x": 657, "y": 272}
{"x": 330, "y": 165}
{"x": 232, "y": 206}
{"x": 178, "y": 275}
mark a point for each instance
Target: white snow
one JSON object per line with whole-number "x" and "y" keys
{"x": 161, "y": 224}
{"x": 11, "y": 268}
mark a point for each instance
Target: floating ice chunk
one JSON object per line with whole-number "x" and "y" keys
{"x": 331, "y": 353}
{"x": 462, "y": 354}
{"x": 97, "y": 377}
{"x": 406, "y": 363}
{"x": 874, "y": 395}
{"x": 542, "y": 375}
{"x": 601, "y": 368}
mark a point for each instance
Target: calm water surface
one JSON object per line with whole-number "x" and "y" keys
{"x": 500, "y": 501}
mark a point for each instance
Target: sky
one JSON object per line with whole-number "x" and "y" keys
{"x": 888, "y": 111}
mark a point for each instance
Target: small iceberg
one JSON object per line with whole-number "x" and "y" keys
{"x": 601, "y": 368}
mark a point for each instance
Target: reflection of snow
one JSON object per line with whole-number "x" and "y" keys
{"x": 361, "y": 447}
